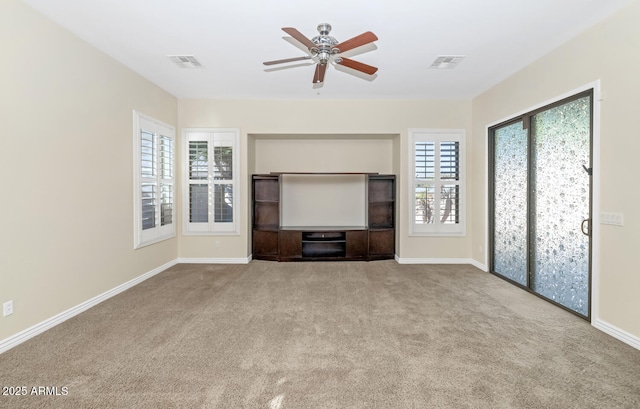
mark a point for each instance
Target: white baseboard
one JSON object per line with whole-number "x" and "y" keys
{"x": 479, "y": 265}
{"x": 239, "y": 260}
{"x": 22, "y": 336}
{"x": 473, "y": 262}
{"x": 617, "y": 333}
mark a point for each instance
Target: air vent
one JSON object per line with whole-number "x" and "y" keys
{"x": 446, "y": 62}
{"x": 185, "y": 61}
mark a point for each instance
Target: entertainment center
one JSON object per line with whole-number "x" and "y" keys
{"x": 294, "y": 216}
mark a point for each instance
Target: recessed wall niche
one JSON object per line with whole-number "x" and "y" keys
{"x": 332, "y": 153}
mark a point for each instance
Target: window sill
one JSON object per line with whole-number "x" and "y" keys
{"x": 210, "y": 233}
{"x": 154, "y": 241}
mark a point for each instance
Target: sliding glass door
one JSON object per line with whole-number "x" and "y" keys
{"x": 510, "y": 194}
{"x": 541, "y": 202}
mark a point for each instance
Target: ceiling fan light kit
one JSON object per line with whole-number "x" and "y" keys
{"x": 324, "y": 49}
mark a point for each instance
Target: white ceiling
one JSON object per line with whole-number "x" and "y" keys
{"x": 232, "y": 39}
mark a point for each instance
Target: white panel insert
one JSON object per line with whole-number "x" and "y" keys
{"x": 323, "y": 200}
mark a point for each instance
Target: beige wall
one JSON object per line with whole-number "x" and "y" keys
{"x": 610, "y": 53}
{"x": 342, "y": 153}
{"x": 66, "y": 160}
{"x": 374, "y": 131}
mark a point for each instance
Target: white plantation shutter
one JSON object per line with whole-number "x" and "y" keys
{"x": 211, "y": 178}
{"x": 166, "y": 177}
{"x": 148, "y": 188}
{"x": 154, "y": 181}
{"x": 437, "y": 185}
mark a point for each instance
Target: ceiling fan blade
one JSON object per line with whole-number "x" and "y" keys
{"x": 356, "y": 65}
{"x": 306, "y": 57}
{"x": 298, "y": 36}
{"x": 357, "y": 41}
{"x": 319, "y": 75}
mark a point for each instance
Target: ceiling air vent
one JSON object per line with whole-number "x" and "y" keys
{"x": 185, "y": 61}
{"x": 446, "y": 62}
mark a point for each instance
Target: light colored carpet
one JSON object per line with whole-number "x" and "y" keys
{"x": 325, "y": 335}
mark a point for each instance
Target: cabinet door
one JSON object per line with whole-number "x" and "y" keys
{"x": 357, "y": 244}
{"x": 381, "y": 244}
{"x": 265, "y": 245}
{"x": 290, "y": 244}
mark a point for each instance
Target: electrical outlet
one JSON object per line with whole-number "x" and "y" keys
{"x": 615, "y": 219}
{"x": 216, "y": 244}
{"x": 7, "y": 308}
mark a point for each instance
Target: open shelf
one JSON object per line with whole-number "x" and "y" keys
{"x": 324, "y": 244}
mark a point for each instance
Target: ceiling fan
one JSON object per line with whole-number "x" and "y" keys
{"x": 324, "y": 49}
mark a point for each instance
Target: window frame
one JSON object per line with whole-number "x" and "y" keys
{"x": 157, "y": 233}
{"x": 214, "y": 137}
{"x": 436, "y": 136}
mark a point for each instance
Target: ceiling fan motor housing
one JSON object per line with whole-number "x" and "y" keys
{"x": 324, "y": 44}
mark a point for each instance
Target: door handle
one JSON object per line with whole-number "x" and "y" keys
{"x": 586, "y": 227}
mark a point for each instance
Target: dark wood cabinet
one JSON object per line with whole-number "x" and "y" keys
{"x": 271, "y": 241}
{"x": 381, "y": 203}
{"x": 266, "y": 216}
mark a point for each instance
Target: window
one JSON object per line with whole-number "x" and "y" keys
{"x": 211, "y": 181}
{"x": 154, "y": 181}
{"x": 437, "y": 182}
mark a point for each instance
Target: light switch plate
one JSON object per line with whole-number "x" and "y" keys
{"x": 612, "y": 218}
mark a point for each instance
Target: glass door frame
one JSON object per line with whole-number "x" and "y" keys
{"x": 525, "y": 118}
